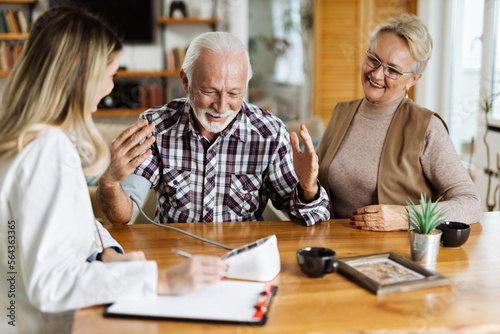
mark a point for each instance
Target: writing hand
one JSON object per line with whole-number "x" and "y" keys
{"x": 193, "y": 274}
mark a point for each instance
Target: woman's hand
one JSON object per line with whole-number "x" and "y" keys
{"x": 111, "y": 255}
{"x": 381, "y": 218}
{"x": 193, "y": 274}
{"x": 127, "y": 152}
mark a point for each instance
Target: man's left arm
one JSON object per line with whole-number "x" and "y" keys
{"x": 295, "y": 180}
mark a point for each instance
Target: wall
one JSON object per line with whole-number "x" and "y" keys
{"x": 430, "y": 90}
{"x": 434, "y": 92}
{"x": 284, "y": 99}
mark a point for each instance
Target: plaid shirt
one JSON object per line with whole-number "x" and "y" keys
{"x": 230, "y": 180}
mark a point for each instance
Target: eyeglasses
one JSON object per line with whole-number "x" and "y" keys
{"x": 389, "y": 71}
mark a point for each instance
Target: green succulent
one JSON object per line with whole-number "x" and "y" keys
{"x": 426, "y": 221}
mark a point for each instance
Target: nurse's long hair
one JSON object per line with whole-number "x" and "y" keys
{"x": 55, "y": 83}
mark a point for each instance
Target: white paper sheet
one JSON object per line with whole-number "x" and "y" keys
{"x": 224, "y": 301}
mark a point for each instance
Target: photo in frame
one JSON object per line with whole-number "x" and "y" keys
{"x": 387, "y": 273}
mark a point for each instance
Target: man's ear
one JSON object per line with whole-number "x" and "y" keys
{"x": 185, "y": 81}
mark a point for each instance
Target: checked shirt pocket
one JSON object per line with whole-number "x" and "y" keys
{"x": 244, "y": 194}
{"x": 178, "y": 188}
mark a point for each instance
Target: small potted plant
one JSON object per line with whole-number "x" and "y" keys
{"x": 424, "y": 237}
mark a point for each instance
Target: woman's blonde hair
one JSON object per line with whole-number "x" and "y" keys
{"x": 414, "y": 32}
{"x": 55, "y": 83}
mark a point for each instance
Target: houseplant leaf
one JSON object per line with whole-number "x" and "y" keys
{"x": 428, "y": 218}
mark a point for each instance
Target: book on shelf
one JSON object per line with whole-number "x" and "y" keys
{"x": 17, "y": 51}
{"x": 179, "y": 54}
{"x": 23, "y": 23}
{"x": 155, "y": 95}
{"x": 4, "y": 66}
{"x": 170, "y": 60}
{"x": 9, "y": 54}
{"x": 13, "y": 22}
{"x": 6, "y": 56}
{"x": 174, "y": 58}
{"x": 143, "y": 98}
{"x": 3, "y": 23}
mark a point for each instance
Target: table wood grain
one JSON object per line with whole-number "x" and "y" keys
{"x": 333, "y": 304}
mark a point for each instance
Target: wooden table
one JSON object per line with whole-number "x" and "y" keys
{"x": 471, "y": 304}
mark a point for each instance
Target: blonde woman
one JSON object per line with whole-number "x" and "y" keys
{"x": 49, "y": 238}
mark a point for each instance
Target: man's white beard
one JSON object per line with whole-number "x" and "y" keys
{"x": 213, "y": 127}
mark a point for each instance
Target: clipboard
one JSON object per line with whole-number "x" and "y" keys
{"x": 227, "y": 301}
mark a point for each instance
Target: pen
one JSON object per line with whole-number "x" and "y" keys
{"x": 181, "y": 253}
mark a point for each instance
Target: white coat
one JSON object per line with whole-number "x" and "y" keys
{"x": 47, "y": 233}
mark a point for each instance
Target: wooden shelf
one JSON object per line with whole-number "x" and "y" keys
{"x": 187, "y": 20}
{"x": 18, "y": 1}
{"x": 13, "y": 36}
{"x": 130, "y": 74}
{"x": 118, "y": 112}
{"x": 154, "y": 73}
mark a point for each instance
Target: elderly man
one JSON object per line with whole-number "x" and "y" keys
{"x": 212, "y": 157}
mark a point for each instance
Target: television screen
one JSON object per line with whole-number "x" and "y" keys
{"x": 133, "y": 20}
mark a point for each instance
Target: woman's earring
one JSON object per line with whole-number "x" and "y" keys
{"x": 406, "y": 93}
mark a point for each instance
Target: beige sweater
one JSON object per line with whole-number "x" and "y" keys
{"x": 352, "y": 176}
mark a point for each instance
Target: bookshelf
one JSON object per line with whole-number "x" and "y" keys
{"x": 11, "y": 38}
{"x": 17, "y": 35}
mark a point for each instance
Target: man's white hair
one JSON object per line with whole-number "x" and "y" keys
{"x": 216, "y": 42}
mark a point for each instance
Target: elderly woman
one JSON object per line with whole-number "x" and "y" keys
{"x": 379, "y": 151}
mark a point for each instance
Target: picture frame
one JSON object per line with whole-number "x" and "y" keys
{"x": 386, "y": 273}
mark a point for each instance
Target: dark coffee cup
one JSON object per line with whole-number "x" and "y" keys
{"x": 455, "y": 234}
{"x": 317, "y": 261}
